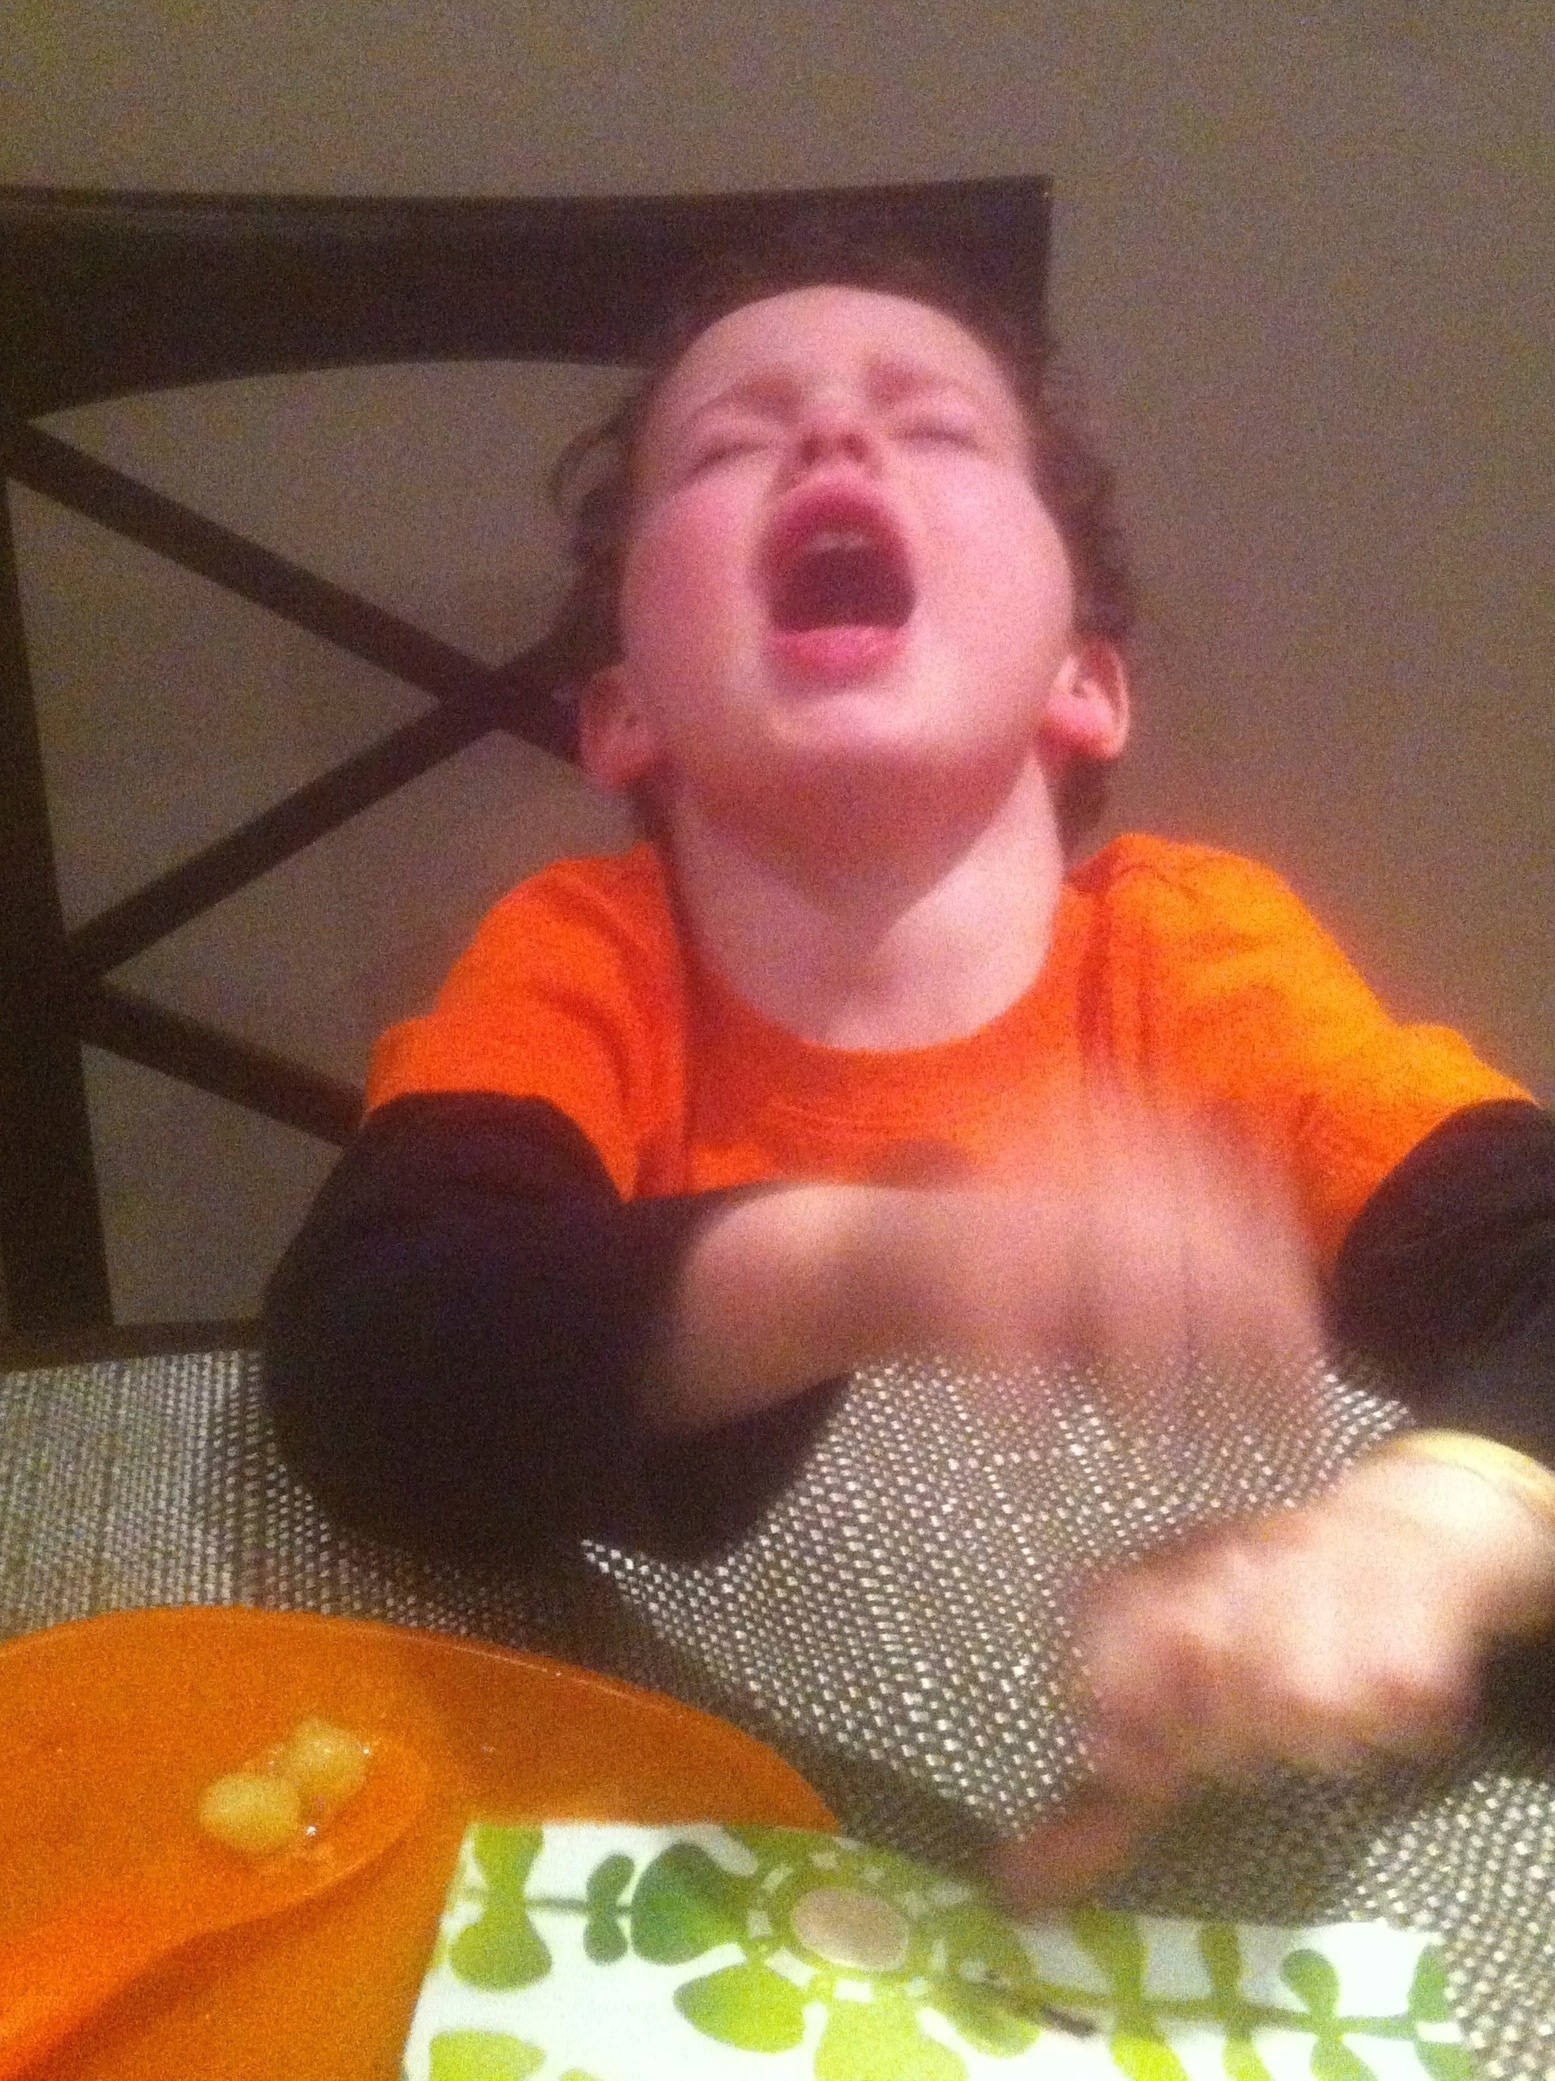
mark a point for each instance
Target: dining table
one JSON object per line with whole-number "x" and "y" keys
{"x": 899, "y": 1625}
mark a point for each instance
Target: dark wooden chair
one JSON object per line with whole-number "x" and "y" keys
{"x": 105, "y": 295}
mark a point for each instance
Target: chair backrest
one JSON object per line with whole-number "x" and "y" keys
{"x": 102, "y": 296}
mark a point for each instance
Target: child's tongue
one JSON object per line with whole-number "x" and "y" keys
{"x": 835, "y": 654}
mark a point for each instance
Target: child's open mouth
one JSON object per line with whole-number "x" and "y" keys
{"x": 839, "y": 586}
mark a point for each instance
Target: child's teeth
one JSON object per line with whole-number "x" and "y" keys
{"x": 839, "y": 538}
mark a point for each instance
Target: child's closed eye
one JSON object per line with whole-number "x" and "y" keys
{"x": 711, "y": 453}
{"x": 941, "y": 429}
{"x": 722, "y": 444}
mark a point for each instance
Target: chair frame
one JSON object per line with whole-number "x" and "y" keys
{"x": 105, "y": 295}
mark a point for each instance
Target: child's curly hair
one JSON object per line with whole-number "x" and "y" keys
{"x": 593, "y": 484}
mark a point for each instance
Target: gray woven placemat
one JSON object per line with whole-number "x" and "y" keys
{"x": 898, "y": 1626}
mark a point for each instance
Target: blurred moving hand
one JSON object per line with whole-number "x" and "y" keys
{"x": 1153, "y": 1246}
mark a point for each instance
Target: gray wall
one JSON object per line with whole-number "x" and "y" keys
{"x": 1305, "y": 252}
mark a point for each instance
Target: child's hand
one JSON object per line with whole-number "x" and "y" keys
{"x": 1324, "y": 1637}
{"x": 1157, "y": 1249}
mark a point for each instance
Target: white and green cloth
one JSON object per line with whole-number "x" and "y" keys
{"x": 604, "y": 1953}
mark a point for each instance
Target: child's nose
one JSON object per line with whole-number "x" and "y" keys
{"x": 833, "y": 428}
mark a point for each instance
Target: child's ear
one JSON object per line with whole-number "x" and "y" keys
{"x": 618, "y": 745}
{"x": 1087, "y": 712}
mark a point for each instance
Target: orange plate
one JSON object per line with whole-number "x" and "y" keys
{"x": 110, "y": 1728}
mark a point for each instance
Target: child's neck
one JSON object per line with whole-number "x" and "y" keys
{"x": 904, "y": 949}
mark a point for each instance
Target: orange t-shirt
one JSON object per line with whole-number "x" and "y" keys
{"x": 1183, "y": 978}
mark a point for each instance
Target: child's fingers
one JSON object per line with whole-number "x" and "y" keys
{"x": 1093, "y": 1835}
{"x": 1289, "y": 1641}
{"x": 1152, "y": 1260}
{"x": 1324, "y": 1638}
{"x": 1189, "y": 1253}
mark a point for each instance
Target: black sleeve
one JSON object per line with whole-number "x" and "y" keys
{"x": 1446, "y": 1281}
{"x": 456, "y": 1343}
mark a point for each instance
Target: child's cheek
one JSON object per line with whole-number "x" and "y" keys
{"x": 693, "y": 541}
{"x": 1004, "y": 557}
{"x": 681, "y": 588}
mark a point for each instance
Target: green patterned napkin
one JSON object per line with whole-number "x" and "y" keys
{"x": 582, "y": 1953}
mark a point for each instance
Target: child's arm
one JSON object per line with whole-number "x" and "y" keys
{"x": 456, "y": 1341}
{"x": 1162, "y": 1248}
{"x": 1324, "y": 1637}
{"x": 473, "y": 1338}
{"x": 1360, "y": 1625}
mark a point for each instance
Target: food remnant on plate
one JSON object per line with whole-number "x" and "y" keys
{"x": 252, "y": 1812}
{"x": 288, "y": 1794}
{"x": 327, "y": 1765}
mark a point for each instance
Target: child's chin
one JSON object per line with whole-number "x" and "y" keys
{"x": 834, "y": 657}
